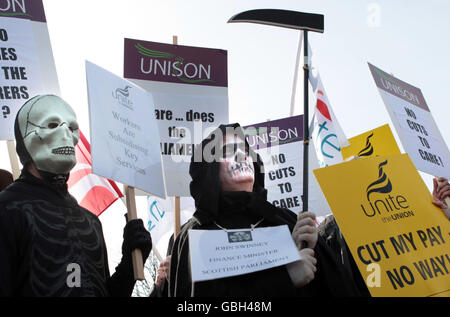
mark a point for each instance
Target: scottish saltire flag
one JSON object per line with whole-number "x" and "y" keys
{"x": 95, "y": 193}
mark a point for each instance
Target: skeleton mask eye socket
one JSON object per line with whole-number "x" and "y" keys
{"x": 52, "y": 125}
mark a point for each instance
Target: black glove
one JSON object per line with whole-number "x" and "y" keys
{"x": 135, "y": 236}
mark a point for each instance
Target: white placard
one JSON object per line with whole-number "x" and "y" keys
{"x": 20, "y": 75}
{"x": 219, "y": 253}
{"x": 420, "y": 136}
{"x": 124, "y": 134}
{"x": 414, "y": 124}
{"x": 280, "y": 146}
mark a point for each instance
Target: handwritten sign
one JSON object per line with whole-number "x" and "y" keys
{"x": 124, "y": 134}
{"x": 219, "y": 253}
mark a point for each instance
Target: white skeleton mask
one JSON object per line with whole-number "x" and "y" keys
{"x": 50, "y": 132}
{"x": 236, "y": 170}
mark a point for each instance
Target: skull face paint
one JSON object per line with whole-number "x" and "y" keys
{"x": 236, "y": 167}
{"x": 50, "y": 132}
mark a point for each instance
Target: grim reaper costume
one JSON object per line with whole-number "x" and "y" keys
{"x": 49, "y": 245}
{"x": 217, "y": 209}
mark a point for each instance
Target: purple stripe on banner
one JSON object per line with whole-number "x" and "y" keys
{"x": 175, "y": 63}
{"x": 272, "y": 133}
{"x": 23, "y": 9}
{"x": 398, "y": 88}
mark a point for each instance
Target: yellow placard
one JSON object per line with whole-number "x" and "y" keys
{"x": 376, "y": 142}
{"x": 398, "y": 238}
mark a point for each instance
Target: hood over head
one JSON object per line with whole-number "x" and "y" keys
{"x": 205, "y": 186}
{"x": 206, "y": 189}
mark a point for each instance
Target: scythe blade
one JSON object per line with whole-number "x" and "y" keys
{"x": 282, "y": 18}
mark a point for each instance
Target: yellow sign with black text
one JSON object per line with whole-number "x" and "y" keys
{"x": 398, "y": 238}
{"x": 376, "y": 142}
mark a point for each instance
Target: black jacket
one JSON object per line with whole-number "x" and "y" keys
{"x": 46, "y": 239}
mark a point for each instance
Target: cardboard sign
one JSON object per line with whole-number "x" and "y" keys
{"x": 279, "y": 143}
{"x": 19, "y": 74}
{"x": 27, "y": 65}
{"x": 398, "y": 238}
{"x": 376, "y": 142}
{"x": 124, "y": 134}
{"x": 414, "y": 123}
{"x": 189, "y": 88}
{"x": 219, "y": 253}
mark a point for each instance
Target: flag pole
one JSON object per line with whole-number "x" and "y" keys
{"x": 294, "y": 84}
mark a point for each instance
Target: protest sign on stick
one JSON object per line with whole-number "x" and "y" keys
{"x": 124, "y": 138}
{"x": 278, "y": 142}
{"x": 27, "y": 63}
{"x": 189, "y": 89}
{"x": 397, "y": 236}
{"x": 26, "y": 58}
{"x": 414, "y": 123}
{"x": 377, "y": 142}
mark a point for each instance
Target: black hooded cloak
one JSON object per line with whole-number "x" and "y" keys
{"x": 237, "y": 210}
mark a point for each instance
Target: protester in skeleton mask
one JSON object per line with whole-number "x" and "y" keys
{"x": 229, "y": 193}
{"x": 49, "y": 245}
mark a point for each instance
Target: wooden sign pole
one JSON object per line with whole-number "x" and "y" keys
{"x": 13, "y": 159}
{"x": 177, "y": 199}
{"x": 138, "y": 265}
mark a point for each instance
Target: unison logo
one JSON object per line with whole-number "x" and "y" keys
{"x": 122, "y": 97}
{"x": 160, "y": 63}
{"x": 368, "y": 150}
{"x": 391, "y": 206}
{"x": 12, "y": 8}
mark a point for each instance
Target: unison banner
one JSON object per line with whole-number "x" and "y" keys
{"x": 414, "y": 123}
{"x": 26, "y": 59}
{"x": 189, "y": 88}
{"x": 279, "y": 143}
{"x": 398, "y": 238}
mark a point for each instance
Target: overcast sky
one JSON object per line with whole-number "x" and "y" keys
{"x": 405, "y": 38}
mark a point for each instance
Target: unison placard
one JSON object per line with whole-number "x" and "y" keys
{"x": 189, "y": 88}
{"x": 280, "y": 145}
{"x": 414, "y": 123}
